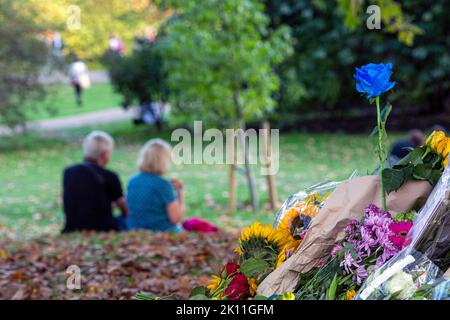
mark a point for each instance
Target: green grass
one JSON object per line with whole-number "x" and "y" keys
{"x": 60, "y": 101}
{"x": 31, "y": 166}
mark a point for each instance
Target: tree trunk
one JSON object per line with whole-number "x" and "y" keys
{"x": 248, "y": 171}
{"x": 233, "y": 181}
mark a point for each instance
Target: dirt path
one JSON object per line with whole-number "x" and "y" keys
{"x": 85, "y": 119}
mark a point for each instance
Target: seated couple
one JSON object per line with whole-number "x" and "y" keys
{"x": 90, "y": 192}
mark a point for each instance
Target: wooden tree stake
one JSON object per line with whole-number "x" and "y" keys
{"x": 232, "y": 201}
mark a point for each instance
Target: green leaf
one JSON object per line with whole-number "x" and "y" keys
{"x": 392, "y": 179}
{"x": 374, "y": 131}
{"x": 198, "y": 291}
{"x": 260, "y": 298}
{"x": 253, "y": 266}
{"x": 414, "y": 157}
{"x": 199, "y": 297}
{"x": 423, "y": 171}
{"x": 385, "y": 113}
{"x": 435, "y": 176}
{"x": 331, "y": 292}
{"x": 408, "y": 171}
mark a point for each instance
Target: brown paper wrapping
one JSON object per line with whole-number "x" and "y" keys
{"x": 347, "y": 202}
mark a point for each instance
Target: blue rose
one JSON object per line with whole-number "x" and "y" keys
{"x": 373, "y": 79}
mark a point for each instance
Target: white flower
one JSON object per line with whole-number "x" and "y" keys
{"x": 401, "y": 285}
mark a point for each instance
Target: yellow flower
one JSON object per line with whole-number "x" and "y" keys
{"x": 252, "y": 286}
{"x": 443, "y": 146}
{"x": 258, "y": 237}
{"x": 214, "y": 283}
{"x": 288, "y": 296}
{"x": 350, "y": 294}
{"x": 435, "y": 139}
{"x": 308, "y": 207}
{"x": 258, "y": 231}
{"x": 440, "y": 144}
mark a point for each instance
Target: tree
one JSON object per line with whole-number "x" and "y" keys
{"x": 22, "y": 56}
{"x": 220, "y": 58}
{"x": 319, "y": 75}
{"x": 98, "y": 20}
{"x": 140, "y": 76}
{"x": 393, "y": 17}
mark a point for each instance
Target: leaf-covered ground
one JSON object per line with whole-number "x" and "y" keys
{"x": 113, "y": 266}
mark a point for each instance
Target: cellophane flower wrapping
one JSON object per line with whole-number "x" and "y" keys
{"x": 417, "y": 272}
{"x": 321, "y": 189}
{"x": 410, "y": 275}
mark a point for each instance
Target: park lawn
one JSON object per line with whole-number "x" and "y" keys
{"x": 31, "y": 166}
{"x": 60, "y": 101}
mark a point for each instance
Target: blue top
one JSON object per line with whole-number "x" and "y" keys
{"x": 148, "y": 195}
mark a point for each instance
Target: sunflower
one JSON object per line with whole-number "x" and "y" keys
{"x": 252, "y": 286}
{"x": 294, "y": 221}
{"x": 263, "y": 242}
{"x": 214, "y": 283}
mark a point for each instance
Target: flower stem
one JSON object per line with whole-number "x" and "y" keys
{"x": 380, "y": 154}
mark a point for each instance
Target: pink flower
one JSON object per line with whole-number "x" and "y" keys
{"x": 400, "y": 231}
{"x": 335, "y": 250}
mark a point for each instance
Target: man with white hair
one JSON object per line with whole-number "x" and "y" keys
{"x": 91, "y": 191}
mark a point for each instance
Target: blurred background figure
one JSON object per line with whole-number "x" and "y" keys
{"x": 402, "y": 147}
{"x": 79, "y": 79}
{"x": 150, "y": 34}
{"x": 57, "y": 47}
{"x": 116, "y": 46}
{"x": 91, "y": 191}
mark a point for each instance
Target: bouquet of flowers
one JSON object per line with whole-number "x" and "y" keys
{"x": 261, "y": 250}
{"x": 408, "y": 276}
{"x": 417, "y": 271}
{"x": 367, "y": 244}
{"x": 230, "y": 284}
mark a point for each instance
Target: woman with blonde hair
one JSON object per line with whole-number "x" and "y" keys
{"x": 155, "y": 203}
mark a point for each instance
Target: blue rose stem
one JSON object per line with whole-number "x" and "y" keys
{"x": 380, "y": 154}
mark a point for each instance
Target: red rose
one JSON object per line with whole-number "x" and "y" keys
{"x": 238, "y": 288}
{"x": 230, "y": 268}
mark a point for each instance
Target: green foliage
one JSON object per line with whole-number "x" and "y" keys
{"x": 319, "y": 75}
{"x": 220, "y": 56}
{"x": 331, "y": 292}
{"x": 143, "y": 296}
{"x": 392, "y": 16}
{"x": 407, "y": 216}
{"x": 253, "y": 267}
{"x": 419, "y": 164}
{"x": 198, "y": 291}
{"x": 139, "y": 77}
{"x": 98, "y": 21}
{"x": 22, "y": 56}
